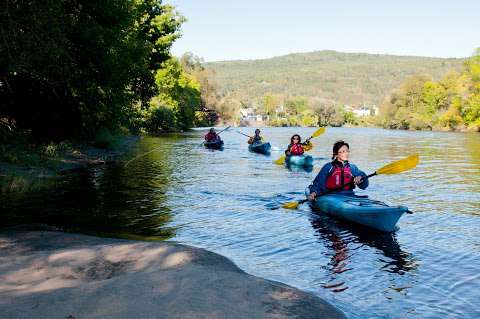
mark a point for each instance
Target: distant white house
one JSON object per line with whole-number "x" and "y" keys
{"x": 363, "y": 110}
{"x": 249, "y": 114}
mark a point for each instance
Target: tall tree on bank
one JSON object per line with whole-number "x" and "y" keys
{"x": 179, "y": 94}
{"x": 209, "y": 110}
{"x": 68, "y": 68}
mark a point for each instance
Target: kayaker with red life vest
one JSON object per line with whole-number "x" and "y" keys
{"x": 212, "y": 136}
{"x": 338, "y": 175}
{"x": 296, "y": 146}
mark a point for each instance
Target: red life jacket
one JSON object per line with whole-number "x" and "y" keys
{"x": 211, "y": 136}
{"x": 340, "y": 175}
{"x": 296, "y": 149}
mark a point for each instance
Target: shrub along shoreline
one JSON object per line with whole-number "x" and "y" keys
{"x": 26, "y": 164}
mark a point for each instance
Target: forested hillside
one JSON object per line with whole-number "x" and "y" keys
{"x": 341, "y": 78}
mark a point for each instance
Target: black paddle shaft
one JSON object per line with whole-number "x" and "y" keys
{"x": 243, "y": 134}
{"x": 223, "y": 130}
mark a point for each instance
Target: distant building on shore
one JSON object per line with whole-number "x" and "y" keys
{"x": 249, "y": 117}
{"x": 363, "y": 110}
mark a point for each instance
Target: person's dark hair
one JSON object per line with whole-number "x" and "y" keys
{"x": 299, "y": 139}
{"x": 257, "y": 130}
{"x": 337, "y": 146}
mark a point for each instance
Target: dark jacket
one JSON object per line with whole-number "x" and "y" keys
{"x": 256, "y": 139}
{"x": 319, "y": 183}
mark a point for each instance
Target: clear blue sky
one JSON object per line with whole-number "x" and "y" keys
{"x": 251, "y": 29}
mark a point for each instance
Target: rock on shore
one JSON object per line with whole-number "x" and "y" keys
{"x": 49, "y": 274}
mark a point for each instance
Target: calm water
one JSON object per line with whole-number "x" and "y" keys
{"x": 225, "y": 201}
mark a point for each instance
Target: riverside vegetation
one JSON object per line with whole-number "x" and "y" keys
{"x": 80, "y": 72}
{"x": 314, "y": 88}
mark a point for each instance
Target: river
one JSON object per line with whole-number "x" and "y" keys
{"x": 227, "y": 202}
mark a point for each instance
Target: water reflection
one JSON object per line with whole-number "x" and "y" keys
{"x": 108, "y": 200}
{"x": 343, "y": 239}
{"x": 298, "y": 168}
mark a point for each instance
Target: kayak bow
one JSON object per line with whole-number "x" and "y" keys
{"x": 262, "y": 148}
{"x": 299, "y": 160}
{"x": 218, "y": 144}
{"x": 360, "y": 210}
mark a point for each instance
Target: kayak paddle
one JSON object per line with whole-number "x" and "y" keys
{"x": 141, "y": 155}
{"x": 243, "y": 134}
{"x": 396, "y": 167}
{"x": 317, "y": 133}
{"x": 224, "y": 129}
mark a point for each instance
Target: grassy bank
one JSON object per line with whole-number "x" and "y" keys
{"x": 28, "y": 164}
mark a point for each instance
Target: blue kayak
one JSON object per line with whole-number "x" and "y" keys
{"x": 360, "y": 210}
{"x": 299, "y": 160}
{"x": 218, "y": 144}
{"x": 262, "y": 148}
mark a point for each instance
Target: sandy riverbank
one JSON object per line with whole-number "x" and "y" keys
{"x": 50, "y": 274}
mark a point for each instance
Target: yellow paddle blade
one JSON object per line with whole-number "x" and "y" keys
{"x": 280, "y": 161}
{"x": 308, "y": 147}
{"x": 291, "y": 205}
{"x": 400, "y": 166}
{"x": 318, "y": 132}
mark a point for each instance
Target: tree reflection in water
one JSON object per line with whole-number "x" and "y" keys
{"x": 111, "y": 200}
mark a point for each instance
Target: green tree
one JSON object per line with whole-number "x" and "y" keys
{"x": 179, "y": 91}
{"x": 328, "y": 115}
{"x": 270, "y": 103}
{"x": 398, "y": 109}
{"x": 309, "y": 118}
{"x": 296, "y": 105}
{"x": 451, "y": 118}
{"x": 350, "y": 118}
{"x": 471, "y": 107}
{"x": 71, "y": 68}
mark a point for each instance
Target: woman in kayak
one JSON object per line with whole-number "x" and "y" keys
{"x": 256, "y": 139}
{"x": 296, "y": 146}
{"x": 339, "y": 175}
{"x": 212, "y": 136}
